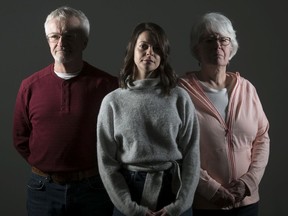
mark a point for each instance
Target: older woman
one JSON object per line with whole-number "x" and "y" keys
{"x": 234, "y": 141}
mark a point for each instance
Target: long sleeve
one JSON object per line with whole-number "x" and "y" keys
{"x": 260, "y": 149}
{"x": 21, "y": 125}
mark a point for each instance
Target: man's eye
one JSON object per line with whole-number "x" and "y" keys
{"x": 54, "y": 36}
{"x": 68, "y": 36}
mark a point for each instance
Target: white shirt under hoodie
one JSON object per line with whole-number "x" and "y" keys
{"x": 139, "y": 128}
{"x": 233, "y": 148}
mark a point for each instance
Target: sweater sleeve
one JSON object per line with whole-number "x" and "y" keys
{"x": 188, "y": 142}
{"x": 109, "y": 166}
{"x": 21, "y": 124}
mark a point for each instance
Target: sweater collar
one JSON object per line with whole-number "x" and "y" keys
{"x": 144, "y": 84}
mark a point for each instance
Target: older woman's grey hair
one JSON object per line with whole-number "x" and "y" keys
{"x": 212, "y": 23}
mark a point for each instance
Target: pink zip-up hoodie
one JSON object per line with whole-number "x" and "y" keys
{"x": 235, "y": 148}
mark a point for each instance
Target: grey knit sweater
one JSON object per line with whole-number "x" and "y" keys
{"x": 141, "y": 129}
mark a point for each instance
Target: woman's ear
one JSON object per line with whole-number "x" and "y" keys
{"x": 195, "y": 52}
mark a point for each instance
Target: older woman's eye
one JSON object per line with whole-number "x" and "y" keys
{"x": 224, "y": 41}
{"x": 210, "y": 39}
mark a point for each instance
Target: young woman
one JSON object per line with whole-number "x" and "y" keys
{"x": 148, "y": 134}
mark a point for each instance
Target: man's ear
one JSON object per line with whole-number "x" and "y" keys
{"x": 85, "y": 43}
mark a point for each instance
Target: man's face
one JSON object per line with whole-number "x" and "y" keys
{"x": 65, "y": 39}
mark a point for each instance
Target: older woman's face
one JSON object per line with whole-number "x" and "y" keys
{"x": 146, "y": 55}
{"x": 214, "y": 49}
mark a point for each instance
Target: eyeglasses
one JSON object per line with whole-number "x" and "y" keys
{"x": 55, "y": 37}
{"x": 224, "y": 41}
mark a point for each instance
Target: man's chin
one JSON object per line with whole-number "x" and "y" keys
{"x": 62, "y": 59}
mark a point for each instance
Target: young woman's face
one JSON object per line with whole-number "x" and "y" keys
{"x": 146, "y": 55}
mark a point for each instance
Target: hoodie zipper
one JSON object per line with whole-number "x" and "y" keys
{"x": 227, "y": 126}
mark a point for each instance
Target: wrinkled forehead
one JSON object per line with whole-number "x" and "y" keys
{"x": 63, "y": 25}
{"x": 216, "y": 29}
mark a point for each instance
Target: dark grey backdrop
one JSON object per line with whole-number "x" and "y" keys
{"x": 261, "y": 28}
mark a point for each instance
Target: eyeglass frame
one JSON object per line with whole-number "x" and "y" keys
{"x": 224, "y": 41}
{"x": 55, "y": 37}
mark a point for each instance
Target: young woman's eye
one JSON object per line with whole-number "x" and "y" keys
{"x": 143, "y": 46}
{"x": 157, "y": 49}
